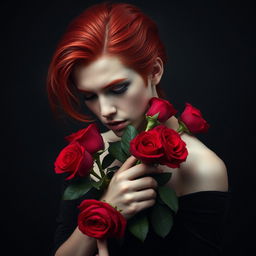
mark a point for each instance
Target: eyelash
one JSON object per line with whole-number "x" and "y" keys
{"x": 119, "y": 89}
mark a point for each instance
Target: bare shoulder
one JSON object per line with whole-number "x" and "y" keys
{"x": 203, "y": 169}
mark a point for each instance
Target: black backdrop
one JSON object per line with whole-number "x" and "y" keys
{"x": 211, "y": 50}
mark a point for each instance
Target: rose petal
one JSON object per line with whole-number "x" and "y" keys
{"x": 161, "y": 106}
{"x": 193, "y": 119}
{"x": 100, "y": 220}
{"x": 89, "y": 137}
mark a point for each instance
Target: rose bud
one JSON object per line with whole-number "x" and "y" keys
{"x": 192, "y": 118}
{"x": 89, "y": 137}
{"x": 161, "y": 106}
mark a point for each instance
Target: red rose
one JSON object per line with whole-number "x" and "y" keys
{"x": 161, "y": 106}
{"x": 75, "y": 160}
{"x": 147, "y": 146}
{"x": 88, "y": 137}
{"x": 174, "y": 147}
{"x": 192, "y": 118}
{"x": 100, "y": 220}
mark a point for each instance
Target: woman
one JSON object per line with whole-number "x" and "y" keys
{"x": 111, "y": 59}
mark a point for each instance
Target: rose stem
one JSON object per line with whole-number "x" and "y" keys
{"x": 100, "y": 167}
{"x": 95, "y": 174}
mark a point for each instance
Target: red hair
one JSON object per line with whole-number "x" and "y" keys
{"x": 117, "y": 29}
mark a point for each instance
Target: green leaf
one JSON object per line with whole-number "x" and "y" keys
{"x": 113, "y": 169}
{"x": 101, "y": 184}
{"x": 107, "y": 161}
{"x": 97, "y": 154}
{"x": 116, "y": 151}
{"x": 77, "y": 189}
{"x": 162, "y": 178}
{"x": 138, "y": 225}
{"x": 183, "y": 127}
{"x": 152, "y": 118}
{"x": 129, "y": 133}
{"x": 161, "y": 219}
{"x": 169, "y": 197}
{"x": 95, "y": 193}
{"x": 152, "y": 121}
{"x": 97, "y": 184}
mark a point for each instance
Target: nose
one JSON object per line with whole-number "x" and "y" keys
{"x": 107, "y": 107}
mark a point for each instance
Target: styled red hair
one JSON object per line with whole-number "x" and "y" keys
{"x": 117, "y": 29}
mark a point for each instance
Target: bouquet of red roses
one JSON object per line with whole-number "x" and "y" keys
{"x": 156, "y": 145}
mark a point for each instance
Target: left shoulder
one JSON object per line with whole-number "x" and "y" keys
{"x": 209, "y": 166}
{"x": 204, "y": 170}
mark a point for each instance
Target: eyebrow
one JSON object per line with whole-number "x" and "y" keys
{"x": 114, "y": 82}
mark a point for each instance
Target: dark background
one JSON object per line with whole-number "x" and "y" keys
{"x": 211, "y": 50}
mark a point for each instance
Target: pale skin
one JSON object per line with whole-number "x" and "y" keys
{"x": 203, "y": 170}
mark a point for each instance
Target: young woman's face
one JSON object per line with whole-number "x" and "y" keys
{"x": 116, "y": 94}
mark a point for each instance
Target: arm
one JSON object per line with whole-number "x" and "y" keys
{"x": 127, "y": 190}
{"x": 67, "y": 235}
{"x": 77, "y": 244}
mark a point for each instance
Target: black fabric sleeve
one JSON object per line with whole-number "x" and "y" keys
{"x": 66, "y": 222}
{"x": 200, "y": 223}
{"x": 67, "y": 218}
{"x": 197, "y": 230}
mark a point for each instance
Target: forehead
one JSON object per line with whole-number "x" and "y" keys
{"x": 101, "y": 72}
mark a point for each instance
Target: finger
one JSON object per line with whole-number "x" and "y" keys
{"x": 143, "y": 195}
{"x": 142, "y": 170}
{"x": 102, "y": 247}
{"x": 143, "y": 183}
{"x": 144, "y": 204}
{"x": 130, "y": 161}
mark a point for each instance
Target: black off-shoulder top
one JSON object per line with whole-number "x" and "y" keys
{"x": 197, "y": 230}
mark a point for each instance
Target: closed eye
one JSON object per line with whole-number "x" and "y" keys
{"x": 117, "y": 89}
{"x": 120, "y": 88}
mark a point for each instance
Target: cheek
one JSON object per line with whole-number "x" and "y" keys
{"x": 138, "y": 102}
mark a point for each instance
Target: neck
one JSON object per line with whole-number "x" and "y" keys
{"x": 172, "y": 123}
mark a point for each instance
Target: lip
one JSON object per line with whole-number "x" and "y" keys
{"x": 117, "y": 125}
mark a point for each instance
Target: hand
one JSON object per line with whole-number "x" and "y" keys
{"x": 129, "y": 191}
{"x": 102, "y": 247}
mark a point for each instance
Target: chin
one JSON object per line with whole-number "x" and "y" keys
{"x": 119, "y": 133}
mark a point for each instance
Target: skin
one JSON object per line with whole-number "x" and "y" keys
{"x": 128, "y": 189}
{"x": 112, "y": 103}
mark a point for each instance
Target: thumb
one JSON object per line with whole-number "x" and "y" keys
{"x": 102, "y": 247}
{"x": 130, "y": 161}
